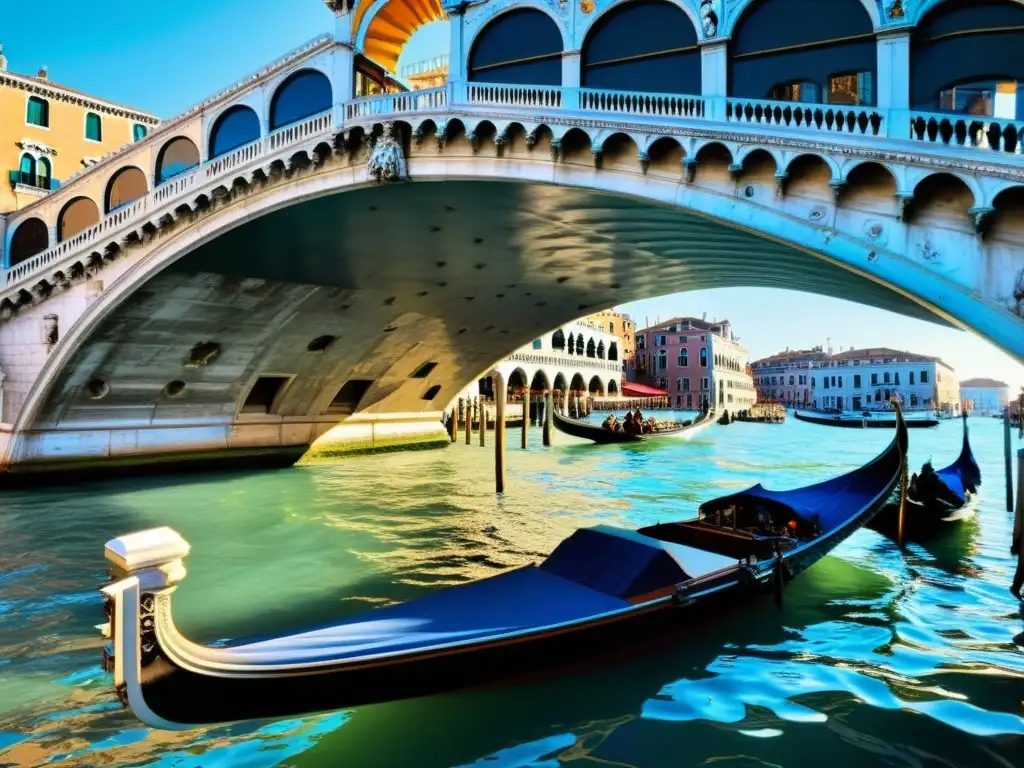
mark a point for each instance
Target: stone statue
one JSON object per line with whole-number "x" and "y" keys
{"x": 387, "y": 163}
{"x": 708, "y": 18}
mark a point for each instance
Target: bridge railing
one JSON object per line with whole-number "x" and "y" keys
{"x": 168, "y": 196}
{"x": 397, "y": 103}
{"x": 839, "y": 118}
{"x": 636, "y": 103}
{"x": 968, "y": 131}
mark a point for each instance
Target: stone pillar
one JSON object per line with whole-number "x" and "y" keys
{"x": 714, "y": 77}
{"x": 457, "y": 53}
{"x": 571, "y": 78}
{"x": 342, "y": 71}
{"x": 893, "y": 82}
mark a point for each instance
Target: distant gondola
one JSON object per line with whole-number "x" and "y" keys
{"x": 605, "y": 436}
{"x": 604, "y": 591}
{"x": 866, "y": 422}
{"x": 936, "y": 498}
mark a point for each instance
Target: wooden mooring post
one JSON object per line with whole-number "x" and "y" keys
{"x": 549, "y": 408}
{"x": 1008, "y": 457}
{"x": 483, "y": 423}
{"x": 499, "y": 433}
{"x": 526, "y": 417}
{"x": 469, "y": 421}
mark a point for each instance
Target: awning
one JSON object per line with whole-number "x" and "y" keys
{"x": 632, "y": 389}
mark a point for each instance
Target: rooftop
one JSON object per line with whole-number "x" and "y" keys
{"x": 983, "y": 384}
{"x": 44, "y": 85}
{"x": 694, "y": 323}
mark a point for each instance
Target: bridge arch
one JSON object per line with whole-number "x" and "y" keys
{"x": 125, "y": 186}
{"x": 733, "y": 13}
{"x": 577, "y": 384}
{"x": 559, "y": 382}
{"x": 540, "y": 381}
{"x": 31, "y": 237}
{"x": 613, "y": 387}
{"x": 178, "y": 155}
{"x": 521, "y": 46}
{"x": 234, "y": 127}
{"x": 808, "y": 57}
{"x": 636, "y": 42}
{"x": 301, "y": 94}
{"x": 77, "y": 214}
{"x": 962, "y": 52}
{"x": 381, "y": 28}
{"x": 596, "y": 386}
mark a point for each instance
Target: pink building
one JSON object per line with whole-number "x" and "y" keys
{"x": 696, "y": 361}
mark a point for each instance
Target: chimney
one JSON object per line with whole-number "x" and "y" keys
{"x": 704, "y": 317}
{"x": 44, "y": 73}
{"x": 3, "y": 59}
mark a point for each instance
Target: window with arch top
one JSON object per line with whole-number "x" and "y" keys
{"x": 579, "y": 344}
{"x": 703, "y": 357}
{"x": 27, "y": 170}
{"x": 93, "y": 127}
{"x": 31, "y": 237}
{"x": 176, "y": 156}
{"x": 645, "y": 45}
{"x": 613, "y": 351}
{"x": 139, "y": 132}
{"x": 558, "y": 340}
{"x": 235, "y": 128}
{"x": 126, "y": 186}
{"x": 38, "y": 112}
{"x": 303, "y": 94}
{"x": 44, "y": 173}
{"x": 521, "y": 47}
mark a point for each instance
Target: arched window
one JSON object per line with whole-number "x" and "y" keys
{"x": 38, "y": 112}
{"x": 613, "y": 350}
{"x": 235, "y": 128}
{"x": 579, "y": 344}
{"x": 558, "y": 340}
{"x": 600, "y": 350}
{"x": 613, "y": 387}
{"x": 684, "y": 358}
{"x": 572, "y": 344}
{"x": 81, "y": 213}
{"x": 646, "y": 45}
{"x": 679, "y": 385}
{"x": 176, "y": 156}
{"x": 302, "y": 95}
{"x": 27, "y": 171}
{"x": 31, "y": 237}
{"x": 662, "y": 360}
{"x": 523, "y": 46}
{"x": 965, "y": 58}
{"x": 43, "y": 173}
{"x": 139, "y": 132}
{"x": 93, "y": 127}
{"x": 125, "y": 186}
{"x": 703, "y": 357}
{"x": 591, "y": 348}
{"x": 780, "y": 51}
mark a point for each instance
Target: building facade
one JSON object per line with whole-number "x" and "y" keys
{"x": 984, "y": 395}
{"x": 49, "y": 133}
{"x": 858, "y": 379}
{"x": 697, "y": 362}
{"x": 622, "y": 327}
{"x": 429, "y": 73}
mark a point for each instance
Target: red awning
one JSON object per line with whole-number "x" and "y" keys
{"x": 632, "y": 389}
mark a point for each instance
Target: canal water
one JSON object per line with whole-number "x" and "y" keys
{"x": 876, "y": 658}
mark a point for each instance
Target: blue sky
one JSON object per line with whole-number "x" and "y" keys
{"x": 165, "y": 57}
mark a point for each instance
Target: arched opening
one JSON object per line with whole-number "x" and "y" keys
{"x": 591, "y": 348}
{"x": 27, "y": 170}
{"x": 126, "y": 186}
{"x": 600, "y": 350}
{"x": 540, "y": 382}
{"x": 788, "y": 50}
{"x": 43, "y": 173}
{"x": 579, "y": 344}
{"x": 517, "y": 382}
{"x": 684, "y": 357}
{"x": 139, "y": 132}
{"x": 81, "y": 213}
{"x": 703, "y": 357}
{"x": 559, "y": 383}
{"x": 613, "y": 387}
{"x": 31, "y": 237}
{"x": 521, "y": 47}
{"x": 176, "y": 156}
{"x": 965, "y": 58}
{"x": 93, "y": 127}
{"x": 571, "y": 349}
{"x": 558, "y": 340}
{"x": 394, "y": 25}
{"x": 646, "y": 45}
{"x": 235, "y": 128}
{"x": 302, "y": 95}
{"x": 577, "y": 384}
{"x": 613, "y": 350}
{"x": 596, "y": 386}
{"x": 661, "y": 361}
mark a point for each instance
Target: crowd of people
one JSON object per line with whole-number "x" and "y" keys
{"x": 634, "y": 424}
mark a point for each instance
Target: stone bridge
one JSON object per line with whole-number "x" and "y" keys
{"x": 273, "y": 281}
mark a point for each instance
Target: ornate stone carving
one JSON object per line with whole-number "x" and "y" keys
{"x": 531, "y": 139}
{"x": 645, "y": 161}
{"x": 903, "y": 205}
{"x": 981, "y": 217}
{"x": 735, "y": 170}
{"x": 202, "y": 354}
{"x": 556, "y": 149}
{"x": 689, "y": 169}
{"x": 338, "y": 6}
{"x": 926, "y": 251}
{"x": 1018, "y": 295}
{"x": 597, "y": 152}
{"x": 387, "y": 162}
{"x": 781, "y": 180}
{"x": 838, "y": 187}
{"x": 817, "y": 214}
{"x": 500, "y": 140}
{"x": 895, "y": 10}
{"x": 28, "y": 145}
{"x": 709, "y": 18}
{"x": 873, "y": 229}
{"x": 147, "y": 629}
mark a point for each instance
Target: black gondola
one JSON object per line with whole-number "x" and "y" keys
{"x": 864, "y": 422}
{"x": 936, "y": 498}
{"x": 602, "y": 592}
{"x": 605, "y": 436}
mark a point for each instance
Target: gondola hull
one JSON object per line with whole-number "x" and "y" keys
{"x": 872, "y": 423}
{"x": 604, "y": 436}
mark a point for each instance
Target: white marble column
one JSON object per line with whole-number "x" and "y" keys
{"x": 342, "y": 74}
{"x": 457, "y": 54}
{"x": 714, "y": 77}
{"x": 893, "y": 79}
{"x": 571, "y": 78}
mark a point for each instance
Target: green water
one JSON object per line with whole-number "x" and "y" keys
{"x": 877, "y": 657}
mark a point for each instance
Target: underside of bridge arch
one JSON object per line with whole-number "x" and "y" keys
{"x": 378, "y": 303}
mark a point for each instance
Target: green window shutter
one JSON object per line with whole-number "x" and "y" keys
{"x": 38, "y": 112}
{"x": 138, "y": 132}
{"x": 93, "y": 127}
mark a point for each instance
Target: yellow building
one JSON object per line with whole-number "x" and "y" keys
{"x": 49, "y": 132}
{"x": 429, "y": 73}
{"x": 620, "y": 325}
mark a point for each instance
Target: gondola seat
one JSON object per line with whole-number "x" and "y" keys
{"x": 627, "y": 564}
{"x": 511, "y": 602}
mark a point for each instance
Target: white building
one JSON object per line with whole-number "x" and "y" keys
{"x": 860, "y": 379}
{"x": 984, "y": 395}
{"x": 578, "y": 357}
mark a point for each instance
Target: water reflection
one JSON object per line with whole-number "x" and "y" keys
{"x": 878, "y": 656}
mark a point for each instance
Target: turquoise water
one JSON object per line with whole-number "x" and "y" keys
{"x": 877, "y": 657}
